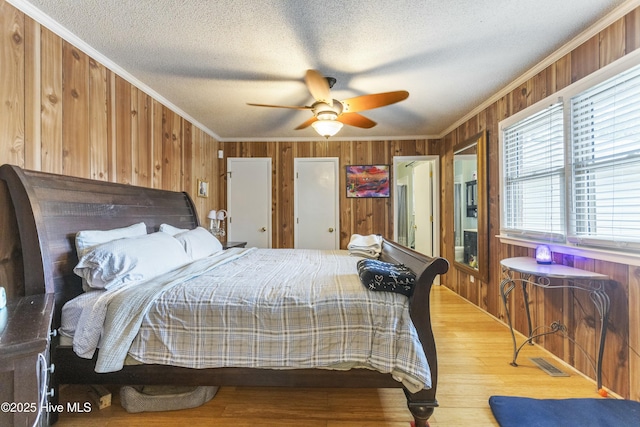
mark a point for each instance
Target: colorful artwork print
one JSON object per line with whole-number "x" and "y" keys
{"x": 368, "y": 181}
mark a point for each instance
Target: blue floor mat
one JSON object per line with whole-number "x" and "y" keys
{"x": 512, "y": 411}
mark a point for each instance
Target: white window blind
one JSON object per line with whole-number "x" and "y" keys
{"x": 605, "y": 163}
{"x": 533, "y": 176}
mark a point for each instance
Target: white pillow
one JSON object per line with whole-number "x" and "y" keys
{"x": 199, "y": 243}
{"x": 88, "y": 239}
{"x": 131, "y": 260}
{"x": 170, "y": 229}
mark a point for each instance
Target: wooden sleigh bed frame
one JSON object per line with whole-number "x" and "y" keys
{"x": 50, "y": 209}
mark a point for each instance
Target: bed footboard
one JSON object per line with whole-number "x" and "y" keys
{"x": 423, "y": 403}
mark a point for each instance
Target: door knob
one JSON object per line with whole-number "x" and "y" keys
{"x": 330, "y": 230}
{"x": 263, "y": 229}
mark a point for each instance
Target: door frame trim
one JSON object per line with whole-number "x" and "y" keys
{"x": 435, "y": 196}
{"x": 336, "y": 162}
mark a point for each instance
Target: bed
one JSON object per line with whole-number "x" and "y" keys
{"x": 50, "y": 209}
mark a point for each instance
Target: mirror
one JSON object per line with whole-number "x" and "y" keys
{"x": 470, "y": 223}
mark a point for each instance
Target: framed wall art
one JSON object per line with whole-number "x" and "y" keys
{"x": 367, "y": 181}
{"x": 203, "y": 188}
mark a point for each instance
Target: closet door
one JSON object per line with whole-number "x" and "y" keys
{"x": 249, "y": 201}
{"x": 316, "y": 203}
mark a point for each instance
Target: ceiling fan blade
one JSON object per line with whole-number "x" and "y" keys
{"x": 294, "y": 107}
{"x": 368, "y": 102}
{"x": 357, "y": 120}
{"x": 318, "y": 86}
{"x": 307, "y": 123}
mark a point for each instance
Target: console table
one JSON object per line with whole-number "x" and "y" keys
{"x": 531, "y": 272}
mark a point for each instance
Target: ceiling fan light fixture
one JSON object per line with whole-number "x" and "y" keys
{"x": 327, "y": 128}
{"x": 326, "y": 115}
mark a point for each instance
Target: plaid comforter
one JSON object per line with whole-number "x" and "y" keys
{"x": 267, "y": 308}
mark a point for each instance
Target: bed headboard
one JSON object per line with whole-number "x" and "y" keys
{"x": 50, "y": 209}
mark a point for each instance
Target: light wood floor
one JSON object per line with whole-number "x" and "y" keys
{"x": 473, "y": 352}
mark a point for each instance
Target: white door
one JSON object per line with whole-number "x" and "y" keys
{"x": 316, "y": 203}
{"x": 249, "y": 201}
{"x": 423, "y": 208}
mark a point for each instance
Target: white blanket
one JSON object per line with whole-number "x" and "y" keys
{"x": 117, "y": 314}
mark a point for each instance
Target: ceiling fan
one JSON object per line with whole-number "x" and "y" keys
{"x": 330, "y": 114}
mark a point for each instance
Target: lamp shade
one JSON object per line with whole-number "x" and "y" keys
{"x": 327, "y": 128}
{"x": 211, "y": 215}
{"x": 221, "y": 214}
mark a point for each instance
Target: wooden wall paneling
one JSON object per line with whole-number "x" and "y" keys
{"x": 124, "y": 150}
{"x": 585, "y": 59}
{"x": 550, "y": 308}
{"x": 187, "y": 153}
{"x": 75, "y": 118}
{"x": 381, "y": 213}
{"x": 112, "y": 134}
{"x": 199, "y": 171}
{"x": 141, "y": 138}
{"x": 219, "y": 176}
{"x": 542, "y": 84}
{"x": 468, "y": 129}
{"x": 362, "y": 207}
{"x": 521, "y": 97}
{"x": 304, "y": 149}
{"x": 204, "y": 166}
{"x": 213, "y": 164}
{"x": 347, "y": 205}
{"x": 320, "y": 148}
{"x": 12, "y": 85}
{"x": 612, "y": 42}
{"x": 98, "y": 121}
{"x": 32, "y": 59}
{"x": 51, "y": 101}
{"x": 563, "y": 72}
{"x": 157, "y": 137}
{"x": 632, "y": 30}
{"x": 171, "y": 150}
{"x": 271, "y": 151}
{"x": 634, "y": 333}
{"x": 285, "y": 209}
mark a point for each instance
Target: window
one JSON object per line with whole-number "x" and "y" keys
{"x": 605, "y": 144}
{"x": 571, "y": 170}
{"x": 533, "y": 176}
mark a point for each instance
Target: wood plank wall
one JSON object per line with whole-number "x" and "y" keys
{"x": 621, "y": 368}
{"x": 361, "y": 216}
{"x": 62, "y": 111}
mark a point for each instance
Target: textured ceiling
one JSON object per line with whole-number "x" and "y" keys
{"x": 209, "y": 58}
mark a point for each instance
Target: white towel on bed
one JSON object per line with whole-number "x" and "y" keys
{"x": 369, "y": 246}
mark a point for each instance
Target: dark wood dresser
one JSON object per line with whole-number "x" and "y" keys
{"x": 25, "y": 326}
